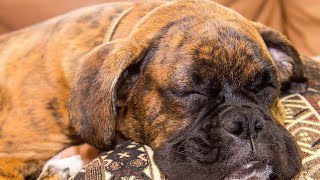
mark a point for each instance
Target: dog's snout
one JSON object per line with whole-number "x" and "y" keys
{"x": 242, "y": 122}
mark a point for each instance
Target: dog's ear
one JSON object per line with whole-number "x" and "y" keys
{"x": 287, "y": 59}
{"x": 93, "y": 101}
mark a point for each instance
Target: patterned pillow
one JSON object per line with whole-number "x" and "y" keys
{"x": 303, "y": 121}
{"x": 134, "y": 161}
{"x": 127, "y": 161}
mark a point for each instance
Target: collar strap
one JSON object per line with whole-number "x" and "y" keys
{"x": 114, "y": 24}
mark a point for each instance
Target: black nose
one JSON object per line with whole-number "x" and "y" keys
{"x": 242, "y": 122}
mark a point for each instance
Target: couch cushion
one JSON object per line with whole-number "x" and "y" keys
{"x": 303, "y": 121}
{"x": 128, "y": 160}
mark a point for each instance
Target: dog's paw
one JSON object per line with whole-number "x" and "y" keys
{"x": 61, "y": 169}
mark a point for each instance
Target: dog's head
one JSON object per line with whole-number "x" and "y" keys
{"x": 200, "y": 85}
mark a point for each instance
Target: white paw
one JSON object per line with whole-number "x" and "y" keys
{"x": 61, "y": 168}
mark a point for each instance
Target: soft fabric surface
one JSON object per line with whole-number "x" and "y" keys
{"x": 303, "y": 121}
{"x": 128, "y": 161}
{"x": 134, "y": 161}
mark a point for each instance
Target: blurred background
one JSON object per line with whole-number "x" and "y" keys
{"x": 299, "y": 20}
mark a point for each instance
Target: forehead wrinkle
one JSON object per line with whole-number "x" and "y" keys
{"x": 236, "y": 68}
{"x": 231, "y": 49}
{"x": 172, "y": 74}
{"x": 180, "y": 76}
{"x": 232, "y": 52}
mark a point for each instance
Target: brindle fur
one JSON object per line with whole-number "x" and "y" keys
{"x": 157, "y": 43}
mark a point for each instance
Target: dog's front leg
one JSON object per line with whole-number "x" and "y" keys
{"x": 12, "y": 168}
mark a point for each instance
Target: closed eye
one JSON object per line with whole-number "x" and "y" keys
{"x": 261, "y": 81}
{"x": 183, "y": 93}
{"x": 255, "y": 88}
{"x": 192, "y": 93}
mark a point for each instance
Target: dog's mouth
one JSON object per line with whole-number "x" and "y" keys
{"x": 254, "y": 170}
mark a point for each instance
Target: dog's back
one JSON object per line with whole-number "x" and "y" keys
{"x": 37, "y": 67}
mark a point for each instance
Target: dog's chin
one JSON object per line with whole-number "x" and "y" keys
{"x": 255, "y": 170}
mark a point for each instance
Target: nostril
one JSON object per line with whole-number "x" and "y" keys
{"x": 273, "y": 176}
{"x": 258, "y": 126}
{"x": 238, "y": 128}
{"x": 235, "y": 127}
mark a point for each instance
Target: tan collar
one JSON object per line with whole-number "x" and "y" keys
{"x": 114, "y": 24}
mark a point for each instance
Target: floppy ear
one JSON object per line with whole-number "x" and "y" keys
{"x": 287, "y": 59}
{"x": 93, "y": 101}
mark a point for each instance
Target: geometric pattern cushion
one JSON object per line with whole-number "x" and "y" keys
{"x": 303, "y": 121}
{"x": 127, "y": 161}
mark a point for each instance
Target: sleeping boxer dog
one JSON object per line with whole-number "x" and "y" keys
{"x": 196, "y": 81}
